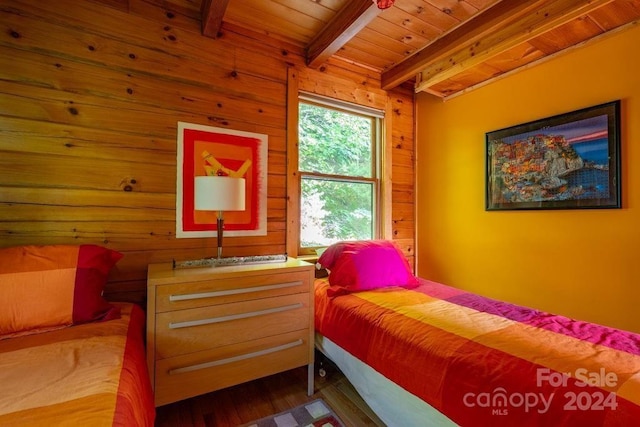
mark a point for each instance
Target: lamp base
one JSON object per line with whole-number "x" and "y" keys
{"x": 225, "y": 262}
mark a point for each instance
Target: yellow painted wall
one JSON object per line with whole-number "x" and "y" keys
{"x": 580, "y": 263}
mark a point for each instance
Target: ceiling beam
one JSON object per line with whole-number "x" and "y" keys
{"x": 544, "y": 19}
{"x": 212, "y": 12}
{"x": 485, "y": 23}
{"x": 352, "y": 18}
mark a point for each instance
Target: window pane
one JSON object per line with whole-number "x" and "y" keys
{"x": 335, "y": 210}
{"x": 334, "y": 142}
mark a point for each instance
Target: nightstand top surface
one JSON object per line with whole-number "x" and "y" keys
{"x": 164, "y": 273}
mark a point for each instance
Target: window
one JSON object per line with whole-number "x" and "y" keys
{"x": 338, "y": 152}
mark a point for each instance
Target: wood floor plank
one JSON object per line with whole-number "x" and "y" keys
{"x": 267, "y": 396}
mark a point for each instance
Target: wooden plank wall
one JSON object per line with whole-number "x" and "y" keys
{"x": 90, "y": 96}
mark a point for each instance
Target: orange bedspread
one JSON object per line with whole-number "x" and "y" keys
{"x": 86, "y": 375}
{"x": 483, "y": 362}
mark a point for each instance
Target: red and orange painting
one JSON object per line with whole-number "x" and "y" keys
{"x": 206, "y": 150}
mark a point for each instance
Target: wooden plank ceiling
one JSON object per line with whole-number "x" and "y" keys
{"x": 444, "y": 47}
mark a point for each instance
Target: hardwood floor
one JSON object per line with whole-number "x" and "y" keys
{"x": 266, "y": 396}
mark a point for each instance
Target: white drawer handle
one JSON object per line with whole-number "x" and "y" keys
{"x": 220, "y": 319}
{"x": 214, "y": 294}
{"x": 235, "y": 358}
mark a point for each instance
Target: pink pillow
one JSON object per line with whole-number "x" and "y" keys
{"x": 365, "y": 265}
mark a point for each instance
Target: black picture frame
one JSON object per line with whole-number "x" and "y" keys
{"x": 568, "y": 161}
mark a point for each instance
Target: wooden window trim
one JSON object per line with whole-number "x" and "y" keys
{"x": 293, "y": 177}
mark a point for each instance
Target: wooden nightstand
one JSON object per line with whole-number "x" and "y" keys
{"x": 214, "y": 327}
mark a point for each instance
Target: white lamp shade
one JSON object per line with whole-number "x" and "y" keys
{"x": 219, "y": 193}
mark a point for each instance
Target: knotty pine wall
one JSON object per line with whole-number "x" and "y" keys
{"x": 90, "y": 96}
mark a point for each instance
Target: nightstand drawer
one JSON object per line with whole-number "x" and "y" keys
{"x": 197, "y": 329}
{"x": 196, "y": 373}
{"x": 222, "y": 291}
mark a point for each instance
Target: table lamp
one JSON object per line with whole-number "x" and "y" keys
{"x": 219, "y": 193}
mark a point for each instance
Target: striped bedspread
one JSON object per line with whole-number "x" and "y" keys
{"x": 483, "y": 362}
{"x": 93, "y": 374}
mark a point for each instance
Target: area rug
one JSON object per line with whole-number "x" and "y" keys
{"x": 315, "y": 413}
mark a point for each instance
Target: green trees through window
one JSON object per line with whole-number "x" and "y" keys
{"x": 337, "y": 165}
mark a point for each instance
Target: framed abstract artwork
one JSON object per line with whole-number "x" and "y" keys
{"x": 568, "y": 161}
{"x": 205, "y": 150}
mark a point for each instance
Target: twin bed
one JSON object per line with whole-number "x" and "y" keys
{"x": 84, "y": 375}
{"x": 422, "y": 353}
{"x": 67, "y": 356}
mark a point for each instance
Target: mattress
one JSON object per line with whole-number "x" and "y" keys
{"x": 479, "y": 361}
{"x": 92, "y": 374}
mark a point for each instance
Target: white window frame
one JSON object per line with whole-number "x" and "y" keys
{"x": 376, "y": 118}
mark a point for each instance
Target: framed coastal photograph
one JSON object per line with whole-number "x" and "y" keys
{"x": 212, "y": 151}
{"x": 568, "y": 161}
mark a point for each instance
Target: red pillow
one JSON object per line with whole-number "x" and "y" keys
{"x": 43, "y": 287}
{"x": 365, "y": 265}
{"x": 331, "y": 254}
